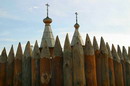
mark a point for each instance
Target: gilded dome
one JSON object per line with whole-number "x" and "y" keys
{"x": 76, "y": 25}
{"x": 47, "y": 20}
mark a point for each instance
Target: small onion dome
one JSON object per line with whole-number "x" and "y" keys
{"x": 47, "y": 20}
{"x": 76, "y": 26}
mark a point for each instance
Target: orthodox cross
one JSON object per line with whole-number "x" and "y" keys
{"x": 76, "y": 17}
{"x": 47, "y": 8}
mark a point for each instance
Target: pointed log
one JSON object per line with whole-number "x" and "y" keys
{"x": 120, "y": 53}
{"x": 57, "y": 48}
{"x": 109, "y": 51}
{"x": 36, "y": 65}
{"x": 98, "y": 61}
{"x": 18, "y": 66}
{"x": 111, "y": 67}
{"x": 26, "y": 66}
{"x": 95, "y": 44}
{"x": 104, "y": 63}
{"x": 78, "y": 65}
{"x": 125, "y": 55}
{"x": 19, "y": 53}
{"x": 103, "y": 48}
{"x": 57, "y": 62}
{"x": 10, "y": 68}
{"x": 90, "y": 64}
{"x": 3, "y": 56}
{"x": 122, "y": 61}
{"x": 67, "y": 63}
{"x": 3, "y": 60}
{"x": 127, "y": 67}
{"x": 11, "y": 55}
{"x": 129, "y": 53}
{"x": 45, "y": 64}
{"x": 117, "y": 68}
{"x": 114, "y": 54}
{"x": 89, "y": 50}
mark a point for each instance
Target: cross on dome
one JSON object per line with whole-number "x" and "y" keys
{"x": 47, "y": 20}
{"x": 47, "y": 8}
{"x": 76, "y": 17}
{"x": 76, "y": 25}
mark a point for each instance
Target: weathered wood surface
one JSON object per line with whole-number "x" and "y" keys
{"x": 117, "y": 68}
{"x": 26, "y": 66}
{"x": 36, "y": 65}
{"x": 98, "y": 61}
{"x": 18, "y": 67}
{"x": 90, "y": 64}
{"x": 74, "y": 66}
{"x": 122, "y": 61}
{"x": 128, "y": 70}
{"x": 3, "y": 61}
{"x": 67, "y": 63}
{"x": 10, "y": 68}
{"x": 45, "y": 71}
{"x": 104, "y": 64}
{"x": 111, "y": 67}
{"x": 127, "y": 67}
{"x": 78, "y": 64}
{"x": 57, "y": 62}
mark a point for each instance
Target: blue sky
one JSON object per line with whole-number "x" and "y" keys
{"x": 21, "y": 20}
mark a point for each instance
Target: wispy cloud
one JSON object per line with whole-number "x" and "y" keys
{"x": 6, "y": 14}
{"x": 33, "y": 8}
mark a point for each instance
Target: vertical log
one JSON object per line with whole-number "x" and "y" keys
{"x": 117, "y": 68}
{"x": 78, "y": 64}
{"x": 10, "y": 68}
{"x": 45, "y": 71}
{"x": 98, "y": 61}
{"x": 127, "y": 66}
{"x": 90, "y": 64}
{"x": 104, "y": 63}
{"x": 122, "y": 61}
{"x": 111, "y": 67}
{"x": 3, "y": 60}
{"x": 26, "y": 66}
{"x": 36, "y": 65}
{"x": 67, "y": 63}
{"x": 18, "y": 67}
{"x": 57, "y": 63}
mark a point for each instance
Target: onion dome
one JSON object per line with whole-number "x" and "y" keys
{"x": 47, "y": 20}
{"x": 76, "y": 26}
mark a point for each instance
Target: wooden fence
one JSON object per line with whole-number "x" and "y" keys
{"x": 75, "y": 65}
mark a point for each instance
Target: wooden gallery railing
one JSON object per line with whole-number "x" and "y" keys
{"x": 71, "y": 66}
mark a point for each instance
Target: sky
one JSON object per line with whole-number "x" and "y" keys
{"x": 22, "y": 20}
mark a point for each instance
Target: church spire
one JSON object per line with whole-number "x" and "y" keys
{"x": 76, "y": 33}
{"x": 47, "y": 35}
